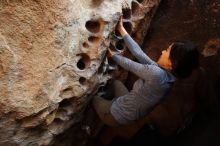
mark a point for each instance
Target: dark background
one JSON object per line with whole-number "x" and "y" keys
{"x": 197, "y": 21}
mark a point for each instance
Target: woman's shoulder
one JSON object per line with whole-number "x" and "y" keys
{"x": 155, "y": 71}
{"x": 161, "y": 73}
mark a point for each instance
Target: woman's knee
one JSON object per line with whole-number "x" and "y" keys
{"x": 102, "y": 108}
{"x": 119, "y": 88}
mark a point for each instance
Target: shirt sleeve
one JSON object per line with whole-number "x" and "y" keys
{"x": 143, "y": 71}
{"x": 135, "y": 49}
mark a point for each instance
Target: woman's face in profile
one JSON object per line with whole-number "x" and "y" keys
{"x": 164, "y": 59}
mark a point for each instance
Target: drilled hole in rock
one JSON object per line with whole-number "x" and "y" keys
{"x": 128, "y": 26}
{"x": 67, "y": 89}
{"x": 85, "y": 45}
{"x": 140, "y": 1}
{"x": 83, "y": 62}
{"x": 120, "y": 45}
{"x": 93, "y": 26}
{"x": 65, "y": 103}
{"x": 93, "y": 39}
{"x": 126, "y": 13}
{"x": 96, "y": 3}
{"x": 135, "y": 7}
{"x": 57, "y": 121}
{"x": 82, "y": 80}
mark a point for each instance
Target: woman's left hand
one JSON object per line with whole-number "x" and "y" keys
{"x": 112, "y": 53}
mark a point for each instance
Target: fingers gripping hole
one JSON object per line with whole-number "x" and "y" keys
{"x": 83, "y": 62}
{"x": 93, "y": 26}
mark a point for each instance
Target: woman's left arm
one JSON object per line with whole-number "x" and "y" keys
{"x": 143, "y": 71}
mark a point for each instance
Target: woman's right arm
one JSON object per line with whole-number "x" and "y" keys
{"x": 133, "y": 47}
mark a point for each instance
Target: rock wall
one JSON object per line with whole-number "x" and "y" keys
{"x": 53, "y": 60}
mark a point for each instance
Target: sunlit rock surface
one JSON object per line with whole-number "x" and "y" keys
{"x": 53, "y": 60}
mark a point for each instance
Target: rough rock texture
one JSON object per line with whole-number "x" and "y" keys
{"x": 53, "y": 60}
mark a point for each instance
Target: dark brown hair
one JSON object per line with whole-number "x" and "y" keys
{"x": 184, "y": 57}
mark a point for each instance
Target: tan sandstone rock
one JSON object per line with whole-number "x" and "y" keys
{"x": 53, "y": 59}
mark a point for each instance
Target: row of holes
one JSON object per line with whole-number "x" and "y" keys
{"x": 94, "y": 27}
{"x": 84, "y": 61}
{"x": 134, "y": 10}
{"x": 127, "y": 24}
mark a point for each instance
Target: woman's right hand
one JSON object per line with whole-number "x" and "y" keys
{"x": 121, "y": 28}
{"x": 120, "y": 24}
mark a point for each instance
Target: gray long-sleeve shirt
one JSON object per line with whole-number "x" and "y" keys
{"x": 149, "y": 90}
